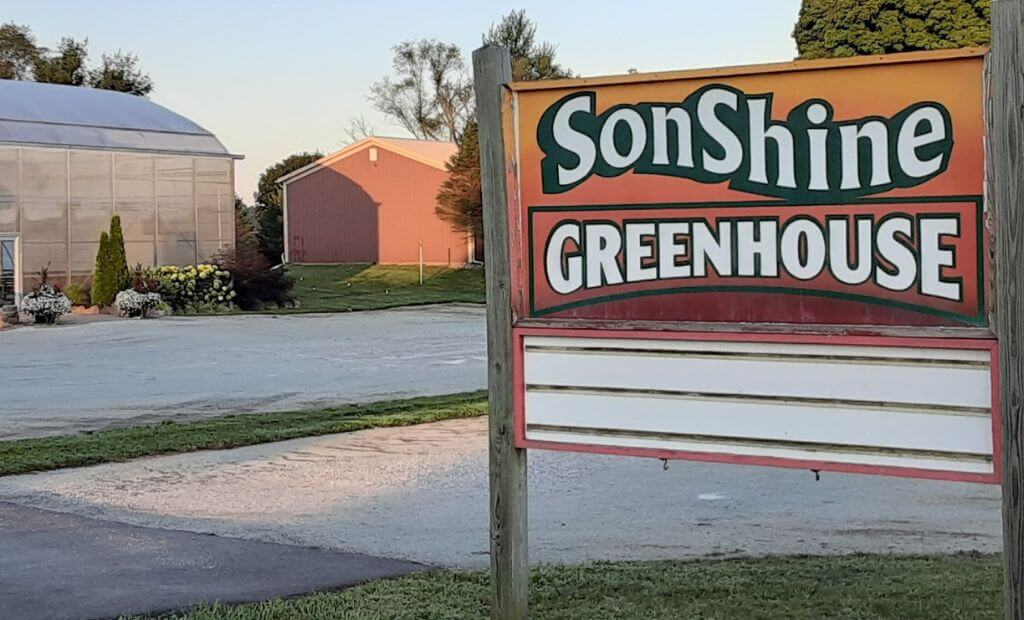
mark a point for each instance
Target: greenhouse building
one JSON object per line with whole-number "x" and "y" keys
{"x": 71, "y": 157}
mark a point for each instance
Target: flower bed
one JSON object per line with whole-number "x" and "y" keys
{"x": 46, "y": 304}
{"x": 133, "y": 304}
{"x": 195, "y": 288}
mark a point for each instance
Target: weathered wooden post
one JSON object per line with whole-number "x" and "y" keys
{"x": 1006, "y": 196}
{"x": 509, "y": 567}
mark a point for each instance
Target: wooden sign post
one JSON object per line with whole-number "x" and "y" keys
{"x": 813, "y": 265}
{"x": 492, "y": 72}
{"x": 1006, "y": 198}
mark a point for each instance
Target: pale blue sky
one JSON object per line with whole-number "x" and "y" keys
{"x": 273, "y": 78}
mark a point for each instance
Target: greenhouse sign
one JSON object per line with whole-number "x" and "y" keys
{"x": 782, "y": 265}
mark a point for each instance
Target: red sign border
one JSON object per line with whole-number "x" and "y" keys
{"x": 990, "y": 345}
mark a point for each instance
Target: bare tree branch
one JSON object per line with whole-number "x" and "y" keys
{"x": 430, "y": 94}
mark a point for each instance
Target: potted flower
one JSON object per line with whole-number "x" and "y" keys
{"x": 46, "y": 303}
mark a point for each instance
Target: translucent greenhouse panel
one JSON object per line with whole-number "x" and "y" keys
{"x": 89, "y": 218}
{"x": 176, "y": 223}
{"x": 211, "y": 200}
{"x": 91, "y": 176}
{"x": 8, "y": 215}
{"x": 44, "y": 174}
{"x": 227, "y": 228}
{"x": 207, "y": 250}
{"x": 35, "y": 256}
{"x": 83, "y": 258}
{"x": 212, "y": 170}
{"x": 91, "y": 207}
{"x": 8, "y": 172}
{"x": 44, "y": 196}
{"x": 139, "y": 252}
{"x": 134, "y": 199}
{"x": 8, "y": 189}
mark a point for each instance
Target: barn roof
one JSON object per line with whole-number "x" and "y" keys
{"x": 35, "y": 114}
{"x": 433, "y": 153}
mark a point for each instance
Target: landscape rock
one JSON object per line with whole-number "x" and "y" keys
{"x": 8, "y": 316}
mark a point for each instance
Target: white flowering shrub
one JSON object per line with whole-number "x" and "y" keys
{"x": 195, "y": 288}
{"x": 46, "y": 304}
{"x": 133, "y": 304}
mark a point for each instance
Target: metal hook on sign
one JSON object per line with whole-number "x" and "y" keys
{"x": 817, "y": 474}
{"x": 664, "y": 464}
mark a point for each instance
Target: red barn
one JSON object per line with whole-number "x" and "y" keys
{"x": 372, "y": 202}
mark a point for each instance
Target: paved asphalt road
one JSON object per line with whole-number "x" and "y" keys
{"x": 57, "y": 566}
{"x": 71, "y": 378}
{"x": 420, "y": 493}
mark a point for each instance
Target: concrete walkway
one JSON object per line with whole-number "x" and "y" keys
{"x": 420, "y": 493}
{"x": 95, "y": 375}
{"x": 56, "y": 566}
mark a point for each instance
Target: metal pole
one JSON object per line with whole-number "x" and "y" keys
{"x": 492, "y": 71}
{"x": 421, "y": 262}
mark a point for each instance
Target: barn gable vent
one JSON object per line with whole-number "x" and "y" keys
{"x": 373, "y": 153}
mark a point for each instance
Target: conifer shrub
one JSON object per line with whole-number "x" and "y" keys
{"x": 111, "y": 275}
{"x": 103, "y": 291}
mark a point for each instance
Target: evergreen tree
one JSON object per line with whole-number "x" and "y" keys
{"x": 245, "y": 232}
{"x": 102, "y": 284}
{"x": 268, "y": 209}
{"x": 459, "y": 201}
{"x": 835, "y": 28}
{"x": 120, "y": 277}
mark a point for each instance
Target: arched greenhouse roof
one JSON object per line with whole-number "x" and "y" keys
{"x": 34, "y": 114}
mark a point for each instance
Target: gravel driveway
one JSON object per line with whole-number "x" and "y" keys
{"x": 420, "y": 493}
{"x": 71, "y": 378}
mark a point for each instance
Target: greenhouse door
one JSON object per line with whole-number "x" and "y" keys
{"x": 8, "y": 269}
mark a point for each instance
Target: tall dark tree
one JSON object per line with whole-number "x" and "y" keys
{"x": 430, "y": 94}
{"x": 65, "y": 65}
{"x": 459, "y": 202}
{"x": 18, "y": 52}
{"x": 245, "y": 230}
{"x": 22, "y": 59}
{"x": 120, "y": 71}
{"x": 267, "y": 209}
{"x": 835, "y": 28}
{"x": 531, "y": 60}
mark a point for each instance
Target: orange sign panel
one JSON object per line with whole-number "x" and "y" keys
{"x": 834, "y": 192}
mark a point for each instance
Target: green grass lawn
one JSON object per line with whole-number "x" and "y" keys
{"x": 343, "y": 288}
{"x": 960, "y": 586}
{"x": 46, "y": 453}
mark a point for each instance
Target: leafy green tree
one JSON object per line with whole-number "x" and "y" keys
{"x": 430, "y": 94}
{"x": 18, "y": 52}
{"x": 835, "y": 28}
{"x": 120, "y": 71}
{"x": 64, "y": 66}
{"x": 268, "y": 210}
{"x": 459, "y": 201}
{"x": 22, "y": 59}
